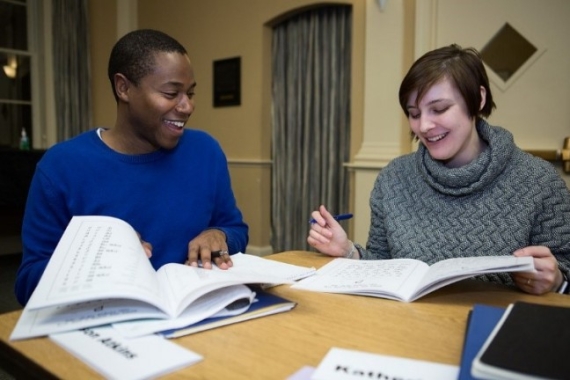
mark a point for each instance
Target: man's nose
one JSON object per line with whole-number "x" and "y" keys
{"x": 186, "y": 105}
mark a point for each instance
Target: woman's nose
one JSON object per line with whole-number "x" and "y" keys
{"x": 426, "y": 124}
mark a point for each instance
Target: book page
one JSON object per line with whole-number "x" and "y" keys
{"x": 395, "y": 278}
{"x": 184, "y": 284}
{"x": 452, "y": 270}
{"x": 204, "y": 307}
{"x": 97, "y": 257}
{"x": 56, "y": 319}
{"x": 246, "y": 263}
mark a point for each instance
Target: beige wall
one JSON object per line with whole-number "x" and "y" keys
{"x": 385, "y": 42}
{"x": 218, "y": 29}
{"x": 103, "y": 25}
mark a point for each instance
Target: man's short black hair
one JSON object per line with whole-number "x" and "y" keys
{"x": 133, "y": 54}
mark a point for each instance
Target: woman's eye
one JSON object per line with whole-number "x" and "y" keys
{"x": 440, "y": 110}
{"x": 414, "y": 115}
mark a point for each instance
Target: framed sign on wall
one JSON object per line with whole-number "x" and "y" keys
{"x": 227, "y": 82}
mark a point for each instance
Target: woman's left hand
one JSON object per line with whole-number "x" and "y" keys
{"x": 546, "y": 277}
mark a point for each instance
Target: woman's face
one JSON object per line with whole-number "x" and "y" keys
{"x": 443, "y": 125}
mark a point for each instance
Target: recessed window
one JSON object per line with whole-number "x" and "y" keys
{"x": 15, "y": 75}
{"x": 507, "y": 52}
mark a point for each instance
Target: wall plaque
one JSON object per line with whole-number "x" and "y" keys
{"x": 227, "y": 82}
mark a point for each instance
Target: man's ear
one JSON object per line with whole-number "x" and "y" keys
{"x": 483, "y": 97}
{"x": 122, "y": 85}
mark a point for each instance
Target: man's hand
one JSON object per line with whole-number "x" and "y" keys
{"x": 209, "y": 246}
{"x": 146, "y": 246}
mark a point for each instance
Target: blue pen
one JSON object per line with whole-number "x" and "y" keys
{"x": 336, "y": 217}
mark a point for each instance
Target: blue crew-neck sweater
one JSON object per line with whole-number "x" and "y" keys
{"x": 168, "y": 196}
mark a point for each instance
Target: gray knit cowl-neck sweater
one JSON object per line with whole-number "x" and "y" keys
{"x": 504, "y": 200}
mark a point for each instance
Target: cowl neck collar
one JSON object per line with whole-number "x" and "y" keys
{"x": 477, "y": 174}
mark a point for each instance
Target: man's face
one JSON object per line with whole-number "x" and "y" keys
{"x": 161, "y": 104}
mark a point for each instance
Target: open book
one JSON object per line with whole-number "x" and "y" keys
{"x": 264, "y": 304}
{"x": 99, "y": 274}
{"x": 405, "y": 279}
{"x": 241, "y": 310}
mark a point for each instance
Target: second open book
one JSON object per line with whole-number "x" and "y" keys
{"x": 99, "y": 274}
{"x": 405, "y": 279}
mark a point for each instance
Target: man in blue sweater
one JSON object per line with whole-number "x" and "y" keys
{"x": 170, "y": 183}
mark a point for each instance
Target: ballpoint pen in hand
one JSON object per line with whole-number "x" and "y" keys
{"x": 336, "y": 217}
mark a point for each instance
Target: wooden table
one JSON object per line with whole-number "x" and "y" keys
{"x": 274, "y": 347}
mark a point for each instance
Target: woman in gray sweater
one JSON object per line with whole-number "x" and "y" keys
{"x": 467, "y": 191}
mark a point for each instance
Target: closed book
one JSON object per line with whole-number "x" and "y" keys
{"x": 529, "y": 342}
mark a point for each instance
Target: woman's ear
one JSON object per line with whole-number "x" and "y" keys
{"x": 122, "y": 85}
{"x": 483, "y": 97}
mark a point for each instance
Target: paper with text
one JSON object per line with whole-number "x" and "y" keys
{"x": 342, "y": 364}
{"x": 116, "y": 357}
{"x": 100, "y": 274}
{"x": 405, "y": 279}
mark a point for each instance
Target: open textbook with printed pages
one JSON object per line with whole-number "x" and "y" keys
{"x": 99, "y": 274}
{"x": 264, "y": 304}
{"x": 404, "y": 279}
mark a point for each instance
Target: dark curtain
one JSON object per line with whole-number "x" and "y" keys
{"x": 311, "y": 120}
{"x": 71, "y": 67}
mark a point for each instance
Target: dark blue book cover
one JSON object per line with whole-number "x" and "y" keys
{"x": 529, "y": 342}
{"x": 482, "y": 321}
{"x": 265, "y": 303}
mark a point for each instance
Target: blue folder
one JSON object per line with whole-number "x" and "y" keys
{"x": 482, "y": 320}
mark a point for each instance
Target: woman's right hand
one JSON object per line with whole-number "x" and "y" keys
{"x": 327, "y": 235}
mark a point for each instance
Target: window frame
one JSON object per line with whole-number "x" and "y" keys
{"x": 38, "y": 19}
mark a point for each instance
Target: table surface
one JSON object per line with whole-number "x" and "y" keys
{"x": 274, "y": 347}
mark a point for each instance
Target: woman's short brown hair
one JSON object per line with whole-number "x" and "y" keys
{"x": 463, "y": 67}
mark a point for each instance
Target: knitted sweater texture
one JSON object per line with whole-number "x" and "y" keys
{"x": 504, "y": 200}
